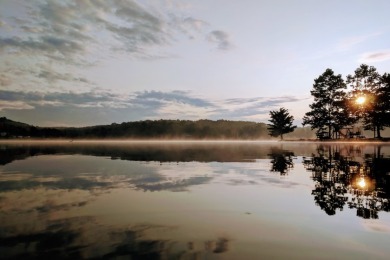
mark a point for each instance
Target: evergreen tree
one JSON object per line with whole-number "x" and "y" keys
{"x": 329, "y": 109}
{"x": 368, "y": 85}
{"x": 281, "y": 123}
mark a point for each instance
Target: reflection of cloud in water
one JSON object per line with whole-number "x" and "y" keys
{"x": 85, "y": 237}
{"x": 172, "y": 185}
{"x": 242, "y": 182}
{"x": 250, "y": 174}
{"x": 376, "y": 226}
{"x": 41, "y": 201}
{"x": 88, "y": 173}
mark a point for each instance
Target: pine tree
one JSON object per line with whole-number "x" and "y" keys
{"x": 281, "y": 123}
{"x": 369, "y": 84}
{"x": 329, "y": 109}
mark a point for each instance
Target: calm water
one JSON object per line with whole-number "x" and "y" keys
{"x": 194, "y": 200}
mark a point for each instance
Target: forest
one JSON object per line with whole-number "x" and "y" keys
{"x": 148, "y": 129}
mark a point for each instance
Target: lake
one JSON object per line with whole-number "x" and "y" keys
{"x": 194, "y": 200}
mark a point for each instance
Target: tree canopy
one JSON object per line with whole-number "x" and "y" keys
{"x": 328, "y": 109}
{"x": 281, "y": 123}
{"x": 334, "y": 108}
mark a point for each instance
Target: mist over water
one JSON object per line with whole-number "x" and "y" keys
{"x": 194, "y": 200}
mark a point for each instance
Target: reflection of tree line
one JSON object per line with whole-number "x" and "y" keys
{"x": 346, "y": 177}
{"x": 159, "y": 153}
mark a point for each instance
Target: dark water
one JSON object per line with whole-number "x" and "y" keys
{"x": 174, "y": 200}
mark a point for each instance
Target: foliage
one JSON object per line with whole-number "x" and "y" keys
{"x": 328, "y": 109}
{"x": 281, "y": 123}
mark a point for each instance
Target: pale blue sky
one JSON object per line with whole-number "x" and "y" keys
{"x": 86, "y": 62}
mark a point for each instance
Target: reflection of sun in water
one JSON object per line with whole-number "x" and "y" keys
{"x": 360, "y": 100}
{"x": 362, "y": 183}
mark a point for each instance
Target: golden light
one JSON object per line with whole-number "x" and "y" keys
{"x": 360, "y": 100}
{"x": 362, "y": 183}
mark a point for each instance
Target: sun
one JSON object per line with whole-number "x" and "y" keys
{"x": 362, "y": 183}
{"x": 360, "y": 100}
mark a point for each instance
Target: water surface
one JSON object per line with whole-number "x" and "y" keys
{"x": 194, "y": 200}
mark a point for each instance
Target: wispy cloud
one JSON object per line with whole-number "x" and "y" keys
{"x": 42, "y": 45}
{"x": 349, "y": 42}
{"x": 221, "y": 38}
{"x": 376, "y": 56}
{"x": 53, "y": 76}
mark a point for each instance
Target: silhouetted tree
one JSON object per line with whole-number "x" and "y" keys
{"x": 368, "y": 83}
{"x": 329, "y": 108}
{"x": 281, "y": 123}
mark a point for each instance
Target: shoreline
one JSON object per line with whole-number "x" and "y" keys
{"x": 173, "y": 141}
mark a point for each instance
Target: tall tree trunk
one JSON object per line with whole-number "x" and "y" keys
{"x": 281, "y": 137}
{"x": 378, "y": 132}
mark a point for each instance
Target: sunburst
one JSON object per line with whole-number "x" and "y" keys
{"x": 360, "y": 100}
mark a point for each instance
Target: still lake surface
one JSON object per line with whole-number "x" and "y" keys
{"x": 194, "y": 200}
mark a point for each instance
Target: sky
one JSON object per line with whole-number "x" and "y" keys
{"x": 88, "y": 62}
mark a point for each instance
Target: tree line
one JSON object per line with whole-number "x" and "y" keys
{"x": 364, "y": 97}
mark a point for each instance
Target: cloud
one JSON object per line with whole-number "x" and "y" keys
{"x": 68, "y": 35}
{"x": 190, "y": 26}
{"x": 14, "y": 105}
{"x": 5, "y": 80}
{"x": 42, "y": 45}
{"x": 349, "y": 42}
{"x": 53, "y": 76}
{"x": 252, "y": 108}
{"x": 67, "y": 27}
{"x": 221, "y": 38}
{"x": 376, "y": 56}
{"x": 182, "y": 97}
{"x": 106, "y": 107}
{"x": 57, "y": 99}
{"x": 195, "y": 24}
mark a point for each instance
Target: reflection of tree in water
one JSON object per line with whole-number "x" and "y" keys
{"x": 179, "y": 152}
{"x": 345, "y": 176}
{"x": 281, "y": 161}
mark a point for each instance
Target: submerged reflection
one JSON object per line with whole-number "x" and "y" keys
{"x": 346, "y": 176}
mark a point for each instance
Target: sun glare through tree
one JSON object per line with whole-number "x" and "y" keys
{"x": 361, "y": 100}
